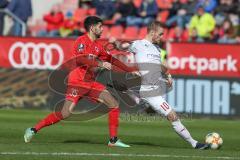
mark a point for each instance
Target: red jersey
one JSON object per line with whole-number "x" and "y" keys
{"x": 54, "y": 21}
{"x": 85, "y": 46}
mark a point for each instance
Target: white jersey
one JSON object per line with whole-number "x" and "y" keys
{"x": 148, "y": 59}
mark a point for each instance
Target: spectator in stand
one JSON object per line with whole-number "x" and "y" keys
{"x": 104, "y": 8}
{"x": 78, "y": 30}
{"x": 209, "y": 5}
{"x": 227, "y": 33}
{"x": 238, "y": 9}
{"x": 193, "y": 37}
{"x": 3, "y": 4}
{"x": 180, "y": 13}
{"x": 146, "y": 14}
{"x": 204, "y": 24}
{"x": 23, "y": 10}
{"x": 238, "y": 35}
{"x": 227, "y": 8}
{"x": 86, "y": 4}
{"x": 70, "y": 28}
{"x": 68, "y": 25}
{"x": 177, "y": 35}
{"x": 54, "y": 21}
{"x": 124, "y": 9}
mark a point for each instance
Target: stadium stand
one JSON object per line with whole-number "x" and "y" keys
{"x": 173, "y": 13}
{"x": 142, "y": 32}
{"x": 116, "y": 31}
{"x": 130, "y": 33}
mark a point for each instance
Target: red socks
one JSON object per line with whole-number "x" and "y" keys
{"x": 49, "y": 120}
{"x": 113, "y": 121}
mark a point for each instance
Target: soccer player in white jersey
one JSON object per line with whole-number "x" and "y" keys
{"x": 153, "y": 84}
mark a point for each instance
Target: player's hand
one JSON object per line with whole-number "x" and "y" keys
{"x": 136, "y": 73}
{"x": 112, "y": 40}
{"x": 106, "y": 65}
{"x": 118, "y": 44}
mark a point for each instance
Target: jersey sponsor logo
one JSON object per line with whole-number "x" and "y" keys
{"x": 202, "y": 64}
{"x": 35, "y": 56}
{"x": 74, "y": 92}
{"x": 96, "y": 49}
{"x": 154, "y": 56}
{"x": 80, "y": 47}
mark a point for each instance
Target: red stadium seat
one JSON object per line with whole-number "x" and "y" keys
{"x": 130, "y": 33}
{"x": 109, "y": 22}
{"x": 162, "y": 16}
{"x": 142, "y": 33}
{"x": 79, "y": 14}
{"x": 91, "y": 11}
{"x": 165, "y": 34}
{"x": 186, "y": 34}
{"x": 105, "y": 33}
{"x": 116, "y": 31}
{"x": 164, "y": 4}
{"x": 171, "y": 33}
{"x": 137, "y": 3}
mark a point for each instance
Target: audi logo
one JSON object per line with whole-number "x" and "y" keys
{"x": 35, "y": 56}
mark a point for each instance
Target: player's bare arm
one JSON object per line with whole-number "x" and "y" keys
{"x": 124, "y": 46}
{"x": 166, "y": 73}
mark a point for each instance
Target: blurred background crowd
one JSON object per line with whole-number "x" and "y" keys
{"x": 185, "y": 20}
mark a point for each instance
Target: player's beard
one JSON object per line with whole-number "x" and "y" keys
{"x": 156, "y": 40}
{"x": 98, "y": 35}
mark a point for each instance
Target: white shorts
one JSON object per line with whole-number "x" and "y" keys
{"x": 158, "y": 103}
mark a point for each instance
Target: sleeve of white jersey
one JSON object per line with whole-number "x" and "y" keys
{"x": 133, "y": 48}
{"x": 136, "y": 48}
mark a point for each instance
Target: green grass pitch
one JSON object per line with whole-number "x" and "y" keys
{"x": 87, "y": 140}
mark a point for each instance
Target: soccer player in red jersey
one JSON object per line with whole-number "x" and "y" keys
{"x": 89, "y": 54}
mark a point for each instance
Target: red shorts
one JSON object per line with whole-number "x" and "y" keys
{"x": 90, "y": 90}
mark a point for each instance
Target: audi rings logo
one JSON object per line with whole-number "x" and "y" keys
{"x": 35, "y": 56}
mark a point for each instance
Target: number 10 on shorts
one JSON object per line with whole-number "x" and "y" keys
{"x": 164, "y": 106}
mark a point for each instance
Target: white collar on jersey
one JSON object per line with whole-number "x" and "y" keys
{"x": 147, "y": 41}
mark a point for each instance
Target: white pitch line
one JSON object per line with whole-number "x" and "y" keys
{"x": 111, "y": 155}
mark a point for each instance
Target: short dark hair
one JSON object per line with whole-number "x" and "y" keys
{"x": 91, "y": 20}
{"x": 154, "y": 25}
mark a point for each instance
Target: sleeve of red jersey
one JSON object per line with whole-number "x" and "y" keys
{"x": 81, "y": 55}
{"x": 106, "y": 56}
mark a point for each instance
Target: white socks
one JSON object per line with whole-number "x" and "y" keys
{"x": 183, "y": 132}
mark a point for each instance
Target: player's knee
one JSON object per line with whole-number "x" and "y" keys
{"x": 111, "y": 102}
{"x": 108, "y": 99}
{"x": 172, "y": 116}
{"x": 65, "y": 113}
{"x": 67, "y": 109}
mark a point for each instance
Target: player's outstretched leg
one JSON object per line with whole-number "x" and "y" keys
{"x": 182, "y": 131}
{"x": 113, "y": 118}
{"x": 52, "y": 118}
{"x": 159, "y": 104}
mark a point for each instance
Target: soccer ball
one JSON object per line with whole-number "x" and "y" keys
{"x": 214, "y": 139}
